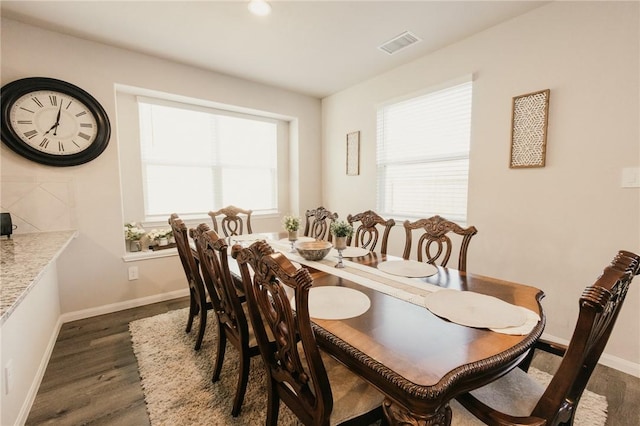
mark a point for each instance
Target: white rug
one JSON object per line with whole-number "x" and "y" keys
{"x": 177, "y": 386}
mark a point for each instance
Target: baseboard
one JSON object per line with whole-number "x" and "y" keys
{"x": 120, "y": 306}
{"x": 627, "y": 367}
{"x": 73, "y": 316}
{"x": 35, "y": 385}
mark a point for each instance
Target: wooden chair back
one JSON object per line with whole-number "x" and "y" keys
{"x": 435, "y": 245}
{"x": 599, "y": 308}
{"x": 212, "y": 252}
{"x": 197, "y": 295}
{"x": 302, "y": 383}
{"x": 366, "y": 232}
{"x": 318, "y": 223}
{"x": 234, "y": 221}
{"x": 599, "y": 305}
{"x": 233, "y": 324}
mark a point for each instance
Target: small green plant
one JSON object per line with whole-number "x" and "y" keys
{"x": 341, "y": 229}
{"x": 157, "y": 235}
{"x": 291, "y": 223}
{"x": 133, "y": 232}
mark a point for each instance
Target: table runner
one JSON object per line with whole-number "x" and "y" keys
{"x": 408, "y": 289}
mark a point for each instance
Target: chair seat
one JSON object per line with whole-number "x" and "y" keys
{"x": 352, "y": 396}
{"x": 515, "y": 393}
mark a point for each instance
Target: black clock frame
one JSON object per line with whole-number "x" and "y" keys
{"x": 14, "y": 90}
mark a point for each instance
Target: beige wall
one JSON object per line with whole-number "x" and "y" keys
{"x": 554, "y": 227}
{"x": 88, "y": 197}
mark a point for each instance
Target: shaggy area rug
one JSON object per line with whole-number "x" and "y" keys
{"x": 177, "y": 386}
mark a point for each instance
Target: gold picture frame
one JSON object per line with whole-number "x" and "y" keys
{"x": 529, "y": 122}
{"x": 353, "y": 153}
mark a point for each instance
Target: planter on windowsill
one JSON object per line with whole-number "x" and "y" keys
{"x": 168, "y": 246}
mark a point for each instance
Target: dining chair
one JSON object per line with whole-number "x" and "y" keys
{"x": 435, "y": 244}
{"x": 233, "y": 221}
{"x": 366, "y": 232}
{"x": 317, "y": 388}
{"x": 198, "y": 304}
{"x": 517, "y": 399}
{"x": 318, "y": 223}
{"x": 233, "y": 325}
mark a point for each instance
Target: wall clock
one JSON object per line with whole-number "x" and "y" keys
{"x": 53, "y": 122}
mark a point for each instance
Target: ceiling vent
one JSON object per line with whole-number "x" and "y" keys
{"x": 398, "y": 43}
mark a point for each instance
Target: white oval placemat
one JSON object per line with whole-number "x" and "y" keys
{"x": 336, "y": 303}
{"x": 520, "y": 330}
{"x": 408, "y": 268}
{"x": 474, "y": 309}
{"x": 351, "y": 252}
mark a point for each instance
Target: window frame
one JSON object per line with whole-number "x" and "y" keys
{"x": 382, "y": 165}
{"x": 131, "y": 162}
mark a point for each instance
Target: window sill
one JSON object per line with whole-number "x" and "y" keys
{"x": 150, "y": 254}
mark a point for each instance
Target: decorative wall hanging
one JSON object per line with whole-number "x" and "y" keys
{"x": 353, "y": 154}
{"x": 529, "y": 120}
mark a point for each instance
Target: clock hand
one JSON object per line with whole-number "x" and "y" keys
{"x": 56, "y": 124}
{"x": 55, "y": 132}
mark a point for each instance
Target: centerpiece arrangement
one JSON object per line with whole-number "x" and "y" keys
{"x": 340, "y": 230}
{"x": 291, "y": 225}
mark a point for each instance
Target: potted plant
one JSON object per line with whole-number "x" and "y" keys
{"x": 291, "y": 225}
{"x": 341, "y": 230}
{"x": 133, "y": 234}
{"x": 161, "y": 236}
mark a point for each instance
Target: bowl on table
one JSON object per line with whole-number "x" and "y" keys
{"x": 313, "y": 250}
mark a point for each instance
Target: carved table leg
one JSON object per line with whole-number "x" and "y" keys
{"x": 397, "y": 415}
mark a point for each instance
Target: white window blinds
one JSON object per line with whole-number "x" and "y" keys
{"x": 196, "y": 159}
{"x": 423, "y": 154}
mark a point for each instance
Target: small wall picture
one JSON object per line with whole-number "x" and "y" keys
{"x": 353, "y": 154}
{"x": 529, "y": 120}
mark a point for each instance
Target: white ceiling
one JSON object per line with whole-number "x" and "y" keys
{"x": 312, "y": 47}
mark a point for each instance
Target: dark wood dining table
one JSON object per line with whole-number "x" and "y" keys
{"x": 419, "y": 361}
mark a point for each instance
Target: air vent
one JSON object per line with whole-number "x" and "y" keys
{"x": 398, "y": 43}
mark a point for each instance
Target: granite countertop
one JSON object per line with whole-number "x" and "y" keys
{"x": 24, "y": 259}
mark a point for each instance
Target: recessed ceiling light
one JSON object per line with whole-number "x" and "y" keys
{"x": 259, "y": 7}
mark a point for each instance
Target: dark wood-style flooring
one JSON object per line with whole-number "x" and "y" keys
{"x": 92, "y": 377}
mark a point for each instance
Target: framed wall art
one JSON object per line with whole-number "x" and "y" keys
{"x": 353, "y": 154}
{"x": 529, "y": 120}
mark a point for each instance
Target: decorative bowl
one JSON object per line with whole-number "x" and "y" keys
{"x": 313, "y": 250}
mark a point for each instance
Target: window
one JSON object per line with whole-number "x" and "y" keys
{"x": 423, "y": 154}
{"x": 196, "y": 159}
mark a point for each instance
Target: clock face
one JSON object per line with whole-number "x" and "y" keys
{"x": 53, "y": 122}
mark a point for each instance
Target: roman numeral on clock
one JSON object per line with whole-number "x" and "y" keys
{"x": 30, "y": 134}
{"x": 37, "y": 101}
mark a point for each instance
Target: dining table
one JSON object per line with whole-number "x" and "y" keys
{"x": 421, "y": 334}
